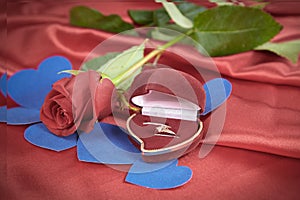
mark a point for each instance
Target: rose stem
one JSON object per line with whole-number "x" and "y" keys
{"x": 119, "y": 79}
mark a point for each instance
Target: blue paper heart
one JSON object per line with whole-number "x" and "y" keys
{"x": 3, "y": 109}
{"x": 3, "y": 114}
{"x": 217, "y": 91}
{"x": 171, "y": 176}
{"x": 140, "y": 166}
{"x": 29, "y": 87}
{"x": 20, "y": 115}
{"x": 84, "y": 155}
{"x": 3, "y": 84}
{"x": 107, "y": 144}
{"x": 39, "y": 135}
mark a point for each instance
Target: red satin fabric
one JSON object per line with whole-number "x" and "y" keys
{"x": 256, "y": 157}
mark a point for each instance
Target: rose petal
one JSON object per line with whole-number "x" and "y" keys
{"x": 63, "y": 132}
{"x": 65, "y": 103}
{"x": 62, "y": 118}
{"x": 64, "y": 86}
{"x": 84, "y": 89}
{"x": 76, "y": 102}
{"x": 86, "y": 122}
{"x": 103, "y": 98}
{"x": 54, "y": 109}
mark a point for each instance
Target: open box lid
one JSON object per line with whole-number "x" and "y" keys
{"x": 170, "y": 100}
{"x": 167, "y": 92}
{"x": 159, "y": 104}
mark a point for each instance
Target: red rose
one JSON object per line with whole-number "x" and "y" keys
{"x": 76, "y": 103}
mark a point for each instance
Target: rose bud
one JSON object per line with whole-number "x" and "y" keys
{"x": 76, "y": 103}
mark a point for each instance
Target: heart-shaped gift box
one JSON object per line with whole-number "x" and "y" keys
{"x": 168, "y": 123}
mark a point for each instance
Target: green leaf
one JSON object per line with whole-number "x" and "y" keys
{"x": 160, "y": 16}
{"x": 161, "y": 35}
{"x": 228, "y": 30}
{"x": 190, "y": 10}
{"x": 83, "y": 16}
{"x": 175, "y": 27}
{"x": 141, "y": 17}
{"x": 168, "y": 34}
{"x": 289, "y": 49}
{"x": 221, "y": 2}
{"x": 96, "y": 63}
{"x": 176, "y": 15}
{"x": 71, "y": 71}
{"x": 121, "y": 63}
{"x": 260, "y": 5}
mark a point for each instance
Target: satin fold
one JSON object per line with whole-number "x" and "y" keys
{"x": 262, "y": 114}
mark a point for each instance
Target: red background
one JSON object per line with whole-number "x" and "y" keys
{"x": 256, "y": 157}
